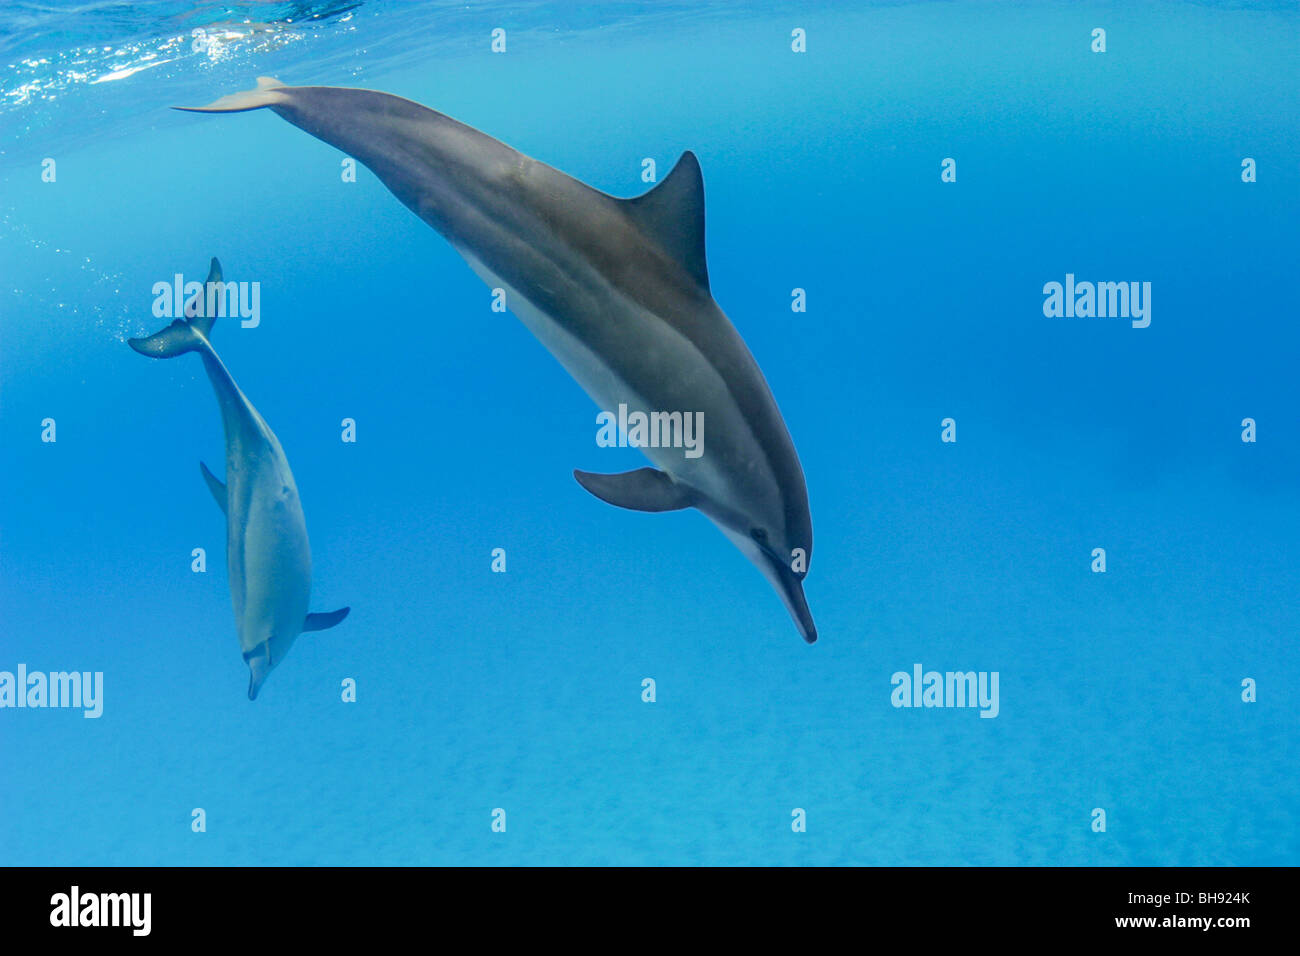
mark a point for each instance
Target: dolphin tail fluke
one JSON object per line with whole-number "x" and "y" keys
{"x": 324, "y": 621}
{"x": 199, "y": 317}
{"x": 642, "y": 490}
{"x": 183, "y": 335}
{"x": 177, "y": 339}
{"x": 265, "y": 94}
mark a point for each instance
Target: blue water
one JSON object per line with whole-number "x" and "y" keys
{"x": 522, "y": 690}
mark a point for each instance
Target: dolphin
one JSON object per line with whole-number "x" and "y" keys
{"x": 616, "y": 289}
{"x": 267, "y": 554}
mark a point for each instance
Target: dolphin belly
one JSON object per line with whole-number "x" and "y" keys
{"x": 269, "y": 558}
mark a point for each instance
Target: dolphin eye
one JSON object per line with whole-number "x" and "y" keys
{"x": 759, "y": 535}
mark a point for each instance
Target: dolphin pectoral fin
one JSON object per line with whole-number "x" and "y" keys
{"x": 673, "y": 212}
{"x": 264, "y": 95}
{"x": 324, "y": 621}
{"x": 216, "y": 487}
{"x": 645, "y": 489}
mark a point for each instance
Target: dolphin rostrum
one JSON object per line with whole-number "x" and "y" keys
{"x": 267, "y": 553}
{"x": 616, "y": 289}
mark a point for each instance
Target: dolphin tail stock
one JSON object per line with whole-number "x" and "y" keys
{"x": 325, "y": 620}
{"x": 263, "y": 95}
{"x": 183, "y": 335}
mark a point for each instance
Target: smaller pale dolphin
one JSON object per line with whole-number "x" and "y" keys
{"x": 267, "y": 553}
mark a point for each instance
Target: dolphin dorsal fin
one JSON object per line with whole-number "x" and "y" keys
{"x": 673, "y": 212}
{"x": 215, "y": 486}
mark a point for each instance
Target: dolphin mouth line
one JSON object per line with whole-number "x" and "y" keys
{"x": 777, "y": 560}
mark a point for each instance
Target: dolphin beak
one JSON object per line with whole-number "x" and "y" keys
{"x": 258, "y": 668}
{"x": 777, "y": 572}
{"x": 791, "y": 591}
{"x": 790, "y": 586}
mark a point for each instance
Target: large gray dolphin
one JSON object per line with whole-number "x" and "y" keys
{"x": 267, "y": 553}
{"x": 616, "y": 289}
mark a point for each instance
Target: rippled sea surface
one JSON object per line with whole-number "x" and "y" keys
{"x": 522, "y": 691}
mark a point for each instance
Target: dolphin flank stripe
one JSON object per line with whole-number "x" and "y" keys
{"x": 616, "y": 289}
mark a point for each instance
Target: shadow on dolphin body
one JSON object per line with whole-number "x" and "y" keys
{"x": 267, "y": 553}
{"x": 616, "y": 289}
